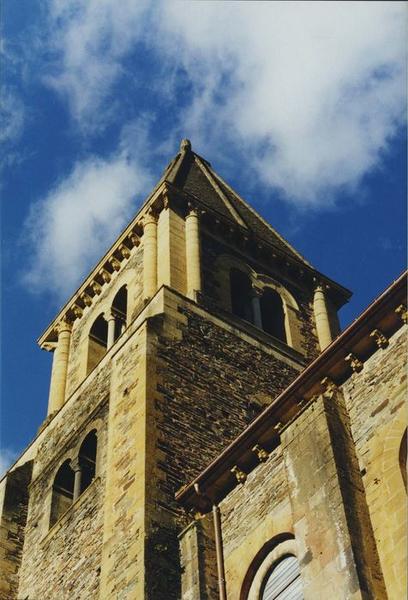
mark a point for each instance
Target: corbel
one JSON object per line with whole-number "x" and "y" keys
{"x": 96, "y": 288}
{"x": 86, "y": 299}
{"x": 355, "y": 363}
{"x": 114, "y": 263}
{"x": 49, "y": 346}
{"x": 329, "y": 388}
{"x": 134, "y": 239}
{"x": 106, "y": 276}
{"x": 240, "y": 476}
{"x": 379, "y": 338}
{"x": 261, "y": 453}
{"x": 124, "y": 251}
{"x": 401, "y": 310}
{"x": 77, "y": 311}
{"x": 278, "y": 427}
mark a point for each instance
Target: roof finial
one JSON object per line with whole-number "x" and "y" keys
{"x": 185, "y": 145}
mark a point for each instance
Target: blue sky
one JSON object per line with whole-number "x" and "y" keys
{"x": 299, "y": 106}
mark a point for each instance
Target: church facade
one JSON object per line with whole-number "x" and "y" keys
{"x": 210, "y": 432}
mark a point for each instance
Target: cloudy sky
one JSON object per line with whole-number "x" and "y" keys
{"x": 300, "y": 106}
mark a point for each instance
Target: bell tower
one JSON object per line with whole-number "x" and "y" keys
{"x": 197, "y": 317}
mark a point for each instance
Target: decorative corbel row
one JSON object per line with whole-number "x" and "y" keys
{"x": 355, "y": 363}
{"x": 240, "y": 476}
{"x": 379, "y": 338}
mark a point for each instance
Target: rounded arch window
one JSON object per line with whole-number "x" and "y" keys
{"x": 283, "y": 581}
{"x": 62, "y": 492}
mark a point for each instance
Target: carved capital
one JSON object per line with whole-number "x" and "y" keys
{"x": 379, "y": 338}
{"x": 240, "y": 476}
{"x": 261, "y": 453}
{"x": 149, "y": 219}
{"x": 329, "y": 388}
{"x": 115, "y": 264}
{"x": 63, "y": 325}
{"x": 75, "y": 466}
{"x": 401, "y": 310}
{"x": 355, "y": 363}
{"x": 256, "y": 291}
{"x": 124, "y": 251}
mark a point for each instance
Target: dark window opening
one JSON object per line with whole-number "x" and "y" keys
{"x": 241, "y": 292}
{"x": 62, "y": 492}
{"x": 403, "y": 459}
{"x": 119, "y": 308}
{"x": 98, "y": 342}
{"x": 87, "y": 460}
{"x": 273, "y": 316}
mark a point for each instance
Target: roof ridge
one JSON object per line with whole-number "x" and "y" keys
{"x": 208, "y": 174}
{"x": 256, "y": 214}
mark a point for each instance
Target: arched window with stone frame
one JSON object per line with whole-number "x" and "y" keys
{"x": 97, "y": 342}
{"x": 62, "y": 492}
{"x": 274, "y": 573}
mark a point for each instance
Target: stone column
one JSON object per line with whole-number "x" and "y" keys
{"x": 149, "y": 256}
{"x": 76, "y": 467}
{"x": 256, "y": 307}
{"x": 322, "y": 318}
{"x": 59, "y": 367}
{"x": 193, "y": 263}
{"x": 111, "y": 330}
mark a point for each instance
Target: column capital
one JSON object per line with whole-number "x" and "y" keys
{"x": 149, "y": 219}
{"x": 75, "y": 465}
{"x": 192, "y": 210}
{"x": 63, "y": 325}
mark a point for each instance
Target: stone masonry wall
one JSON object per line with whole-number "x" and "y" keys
{"x": 253, "y": 514}
{"x": 210, "y": 384}
{"x": 376, "y": 401}
{"x": 12, "y": 528}
{"x": 64, "y": 562}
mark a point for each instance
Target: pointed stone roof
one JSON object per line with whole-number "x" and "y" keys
{"x": 193, "y": 175}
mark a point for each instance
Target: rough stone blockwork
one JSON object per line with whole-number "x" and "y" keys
{"x": 212, "y": 385}
{"x": 376, "y": 401}
{"x": 64, "y": 562}
{"x": 12, "y": 528}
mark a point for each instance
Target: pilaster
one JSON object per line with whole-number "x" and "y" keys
{"x": 331, "y": 522}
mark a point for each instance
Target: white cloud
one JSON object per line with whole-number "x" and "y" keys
{"x": 90, "y": 40}
{"x": 312, "y": 92}
{"x": 78, "y": 220}
{"x": 7, "y": 458}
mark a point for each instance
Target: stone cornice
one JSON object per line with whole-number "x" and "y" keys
{"x": 339, "y": 361}
{"x": 101, "y": 274}
{"x": 165, "y": 195}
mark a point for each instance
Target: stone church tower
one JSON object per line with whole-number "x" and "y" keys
{"x": 195, "y": 320}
